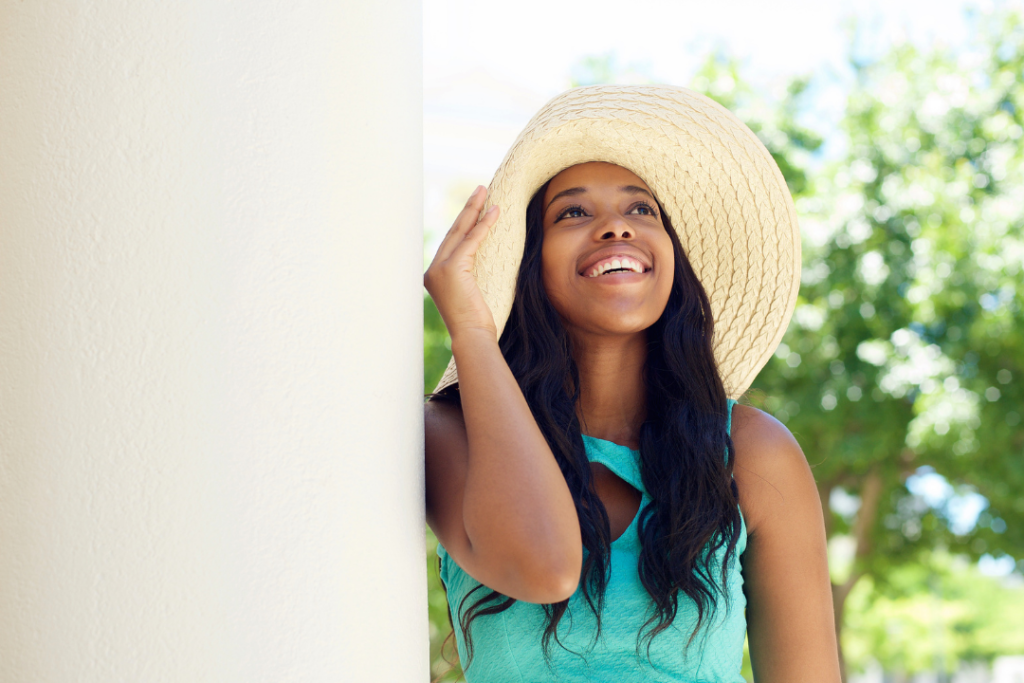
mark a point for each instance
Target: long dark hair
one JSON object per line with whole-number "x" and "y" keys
{"x": 683, "y": 445}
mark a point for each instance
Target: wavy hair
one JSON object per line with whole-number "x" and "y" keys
{"x": 684, "y": 441}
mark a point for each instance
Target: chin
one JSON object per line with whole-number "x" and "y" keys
{"x": 617, "y": 326}
{"x": 605, "y": 318}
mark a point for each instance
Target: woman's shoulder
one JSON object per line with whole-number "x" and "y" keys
{"x": 755, "y": 428}
{"x": 770, "y": 469}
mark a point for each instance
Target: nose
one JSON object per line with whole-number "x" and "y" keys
{"x": 615, "y": 228}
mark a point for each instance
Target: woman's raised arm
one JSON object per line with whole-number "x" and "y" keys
{"x": 495, "y": 496}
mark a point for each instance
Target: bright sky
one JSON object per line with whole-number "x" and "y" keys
{"x": 534, "y": 43}
{"x": 489, "y": 66}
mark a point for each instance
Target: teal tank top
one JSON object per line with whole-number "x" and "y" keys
{"x": 507, "y": 646}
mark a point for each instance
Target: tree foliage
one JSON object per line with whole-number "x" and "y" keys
{"x": 933, "y": 615}
{"x": 907, "y": 335}
{"x": 904, "y": 348}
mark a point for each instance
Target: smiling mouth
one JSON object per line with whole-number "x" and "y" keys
{"x": 611, "y": 266}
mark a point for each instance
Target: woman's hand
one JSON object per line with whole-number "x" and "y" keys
{"x": 449, "y": 279}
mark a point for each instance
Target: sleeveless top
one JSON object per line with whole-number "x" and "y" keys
{"x": 507, "y": 646}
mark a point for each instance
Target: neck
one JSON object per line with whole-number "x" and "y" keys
{"x": 612, "y": 395}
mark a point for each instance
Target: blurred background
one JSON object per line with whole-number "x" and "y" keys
{"x": 899, "y": 127}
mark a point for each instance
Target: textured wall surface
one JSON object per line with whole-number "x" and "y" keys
{"x": 210, "y": 342}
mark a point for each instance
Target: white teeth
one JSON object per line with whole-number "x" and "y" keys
{"x": 617, "y": 263}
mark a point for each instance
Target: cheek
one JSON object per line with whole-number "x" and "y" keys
{"x": 553, "y": 265}
{"x": 557, "y": 265}
{"x": 666, "y": 257}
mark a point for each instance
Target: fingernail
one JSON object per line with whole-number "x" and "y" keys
{"x": 492, "y": 210}
{"x": 476, "y": 191}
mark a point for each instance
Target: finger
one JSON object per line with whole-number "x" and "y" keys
{"x": 488, "y": 219}
{"x": 466, "y": 219}
{"x": 468, "y": 247}
{"x": 482, "y": 226}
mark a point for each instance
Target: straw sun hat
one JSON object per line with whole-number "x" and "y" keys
{"x": 723, "y": 192}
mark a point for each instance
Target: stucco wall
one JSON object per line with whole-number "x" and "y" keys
{"x": 211, "y": 342}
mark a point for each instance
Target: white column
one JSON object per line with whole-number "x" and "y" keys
{"x": 211, "y": 342}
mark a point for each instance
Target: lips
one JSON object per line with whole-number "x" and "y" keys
{"x": 604, "y": 260}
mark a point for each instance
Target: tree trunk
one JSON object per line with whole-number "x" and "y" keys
{"x": 839, "y": 594}
{"x": 825, "y": 495}
{"x": 870, "y": 496}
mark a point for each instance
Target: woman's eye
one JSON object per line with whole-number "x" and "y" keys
{"x": 571, "y": 212}
{"x": 645, "y": 209}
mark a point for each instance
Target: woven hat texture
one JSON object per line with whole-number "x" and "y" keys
{"x": 720, "y": 187}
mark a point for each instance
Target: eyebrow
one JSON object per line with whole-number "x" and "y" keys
{"x": 573, "y": 191}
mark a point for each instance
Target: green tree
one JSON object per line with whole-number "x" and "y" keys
{"x": 933, "y": 614}
{"x": 907, "y": 334}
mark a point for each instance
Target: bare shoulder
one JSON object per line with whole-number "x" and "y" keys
{"x": 762, "y": 442}
{"x": 770, "y": 469}
{"x": 790, "y": 624}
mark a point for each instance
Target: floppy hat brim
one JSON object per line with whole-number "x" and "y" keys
{"x": 722, "y": 191}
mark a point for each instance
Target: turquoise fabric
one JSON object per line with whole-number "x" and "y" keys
{"x": 507, "y": 646}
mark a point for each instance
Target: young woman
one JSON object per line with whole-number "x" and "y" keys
{"x": 605, "y": 510}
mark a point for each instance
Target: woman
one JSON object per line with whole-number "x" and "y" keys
{"x": 604, "y": 510}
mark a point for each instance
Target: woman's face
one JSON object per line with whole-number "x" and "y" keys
{"x": 594, "y": 214}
